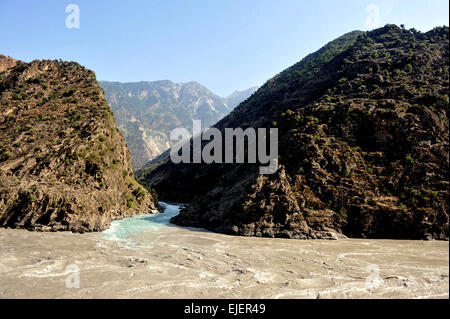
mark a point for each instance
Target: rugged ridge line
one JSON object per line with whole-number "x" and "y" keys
{"x": 363, "y": 140}
{"x": 63, "y": 163}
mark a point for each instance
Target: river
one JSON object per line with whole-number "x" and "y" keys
{"x": 147, "y": 257}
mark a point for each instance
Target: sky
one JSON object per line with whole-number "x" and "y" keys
{"x": 226, "y": 45}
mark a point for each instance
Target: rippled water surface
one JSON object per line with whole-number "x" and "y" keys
{"x": 123, "y": 229}
{"x": 147, "y": 257}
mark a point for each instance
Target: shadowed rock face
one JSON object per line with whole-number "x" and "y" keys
{"x": 63, "y": 163}
{"x": 363, "y": 143}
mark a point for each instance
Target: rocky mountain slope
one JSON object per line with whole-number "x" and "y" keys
{"x": 63, "y": 163}
{"x": 363, "y": 141}
{"x": 146, "y": 112}
{"x": 6, "y": 62}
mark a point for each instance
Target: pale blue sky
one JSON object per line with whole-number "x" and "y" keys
{"x": 226, "y": 45}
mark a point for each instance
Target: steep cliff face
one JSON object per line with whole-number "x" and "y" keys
{"x": 63, "y": 163}
{"x": 363, "y": 139}
{"x": 146, "y": 112}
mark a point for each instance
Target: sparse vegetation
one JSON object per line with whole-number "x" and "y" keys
{"x": 60, "y": 144}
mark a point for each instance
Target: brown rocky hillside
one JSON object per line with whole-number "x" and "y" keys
{"x": 63, "y": 163}
{"x": 364, "y": 147}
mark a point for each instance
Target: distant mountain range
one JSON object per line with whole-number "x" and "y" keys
{"x": 146, "y": 112}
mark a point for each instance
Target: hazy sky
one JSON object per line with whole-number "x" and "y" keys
{"x": 226, "y": 45}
